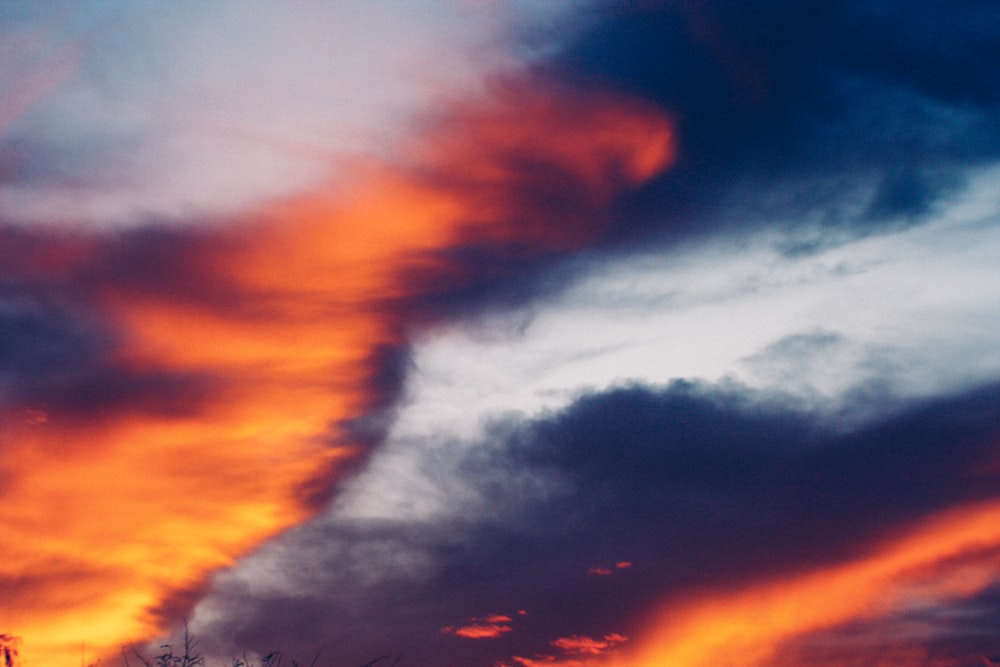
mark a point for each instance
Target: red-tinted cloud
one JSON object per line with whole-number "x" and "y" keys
{"x": 756, "y": 622}
{"x": 577, "y": 651}
{"x": 588, "y": 645}
{"x": 605, "y": 571}
{"x": 212, "y": 376}
{"x": 488, "y": 627}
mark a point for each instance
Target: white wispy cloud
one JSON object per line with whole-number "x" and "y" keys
{"x": 912, "y": 309}
{"x": 204, "y": 109}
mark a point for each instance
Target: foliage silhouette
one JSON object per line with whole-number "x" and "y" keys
{"x": 190, "y": 656}
{"x": 8, "y": 650}
{"x": 187, "y": 655}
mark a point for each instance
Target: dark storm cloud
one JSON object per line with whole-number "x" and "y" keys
{"x": 539, "y": 169}
{"x": 55, "y": 363}
{"x": 493, "y": 278}
{"x": 695, "y": 486}
{"x": 387, "y": 367}
{"x": 885, "y": 103}
{"x": 745, "y": 487}
{"x": 35, "y": 344}
{"x": 105, "y": 390}
{"x": 156, "y": 263}
{"x": 826, "y": 119}
{"x": 909, "y": 194}
{"x": 57, "y": 353}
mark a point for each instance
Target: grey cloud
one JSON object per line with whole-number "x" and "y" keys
{"x": 857, "y": 116}
{"x": 694, "y": 485}
{"x": 39, "y": 344}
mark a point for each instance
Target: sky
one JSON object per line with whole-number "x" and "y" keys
{"x": 501, "y": 333}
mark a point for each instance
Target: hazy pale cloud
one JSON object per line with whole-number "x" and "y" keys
{"x": 147, "y": 113}
{"x": 911, "y": 311}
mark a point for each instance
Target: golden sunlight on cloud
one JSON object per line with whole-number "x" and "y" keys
{"x": 115, "y": 517}
{"x": 575, "y": 651}
{"x": 489, "y": 627}
{"x": 588, "y": 645}
{"x": 748, "y": 627}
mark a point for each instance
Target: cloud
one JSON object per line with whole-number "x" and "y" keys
{"x": 955, "y": 632}
{"x": 33, "y": 69}
{"x": 906, "y": 315}
{"x": 576, "y": 646}
{"x": 588, "y": 645}
{"x": 781, "y": 122}
{"x": 704, "y": 288}
{"x": 222, "y": 379}
{"x": 206, "y": 111}
{"x": 488, "y": 627}
{"x": 708, "y": 490}
{"x": 39, "y": 344}
{"x": 602, "y": 571}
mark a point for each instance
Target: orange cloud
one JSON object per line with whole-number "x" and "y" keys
{"x": 951, "y": 555}
{"x": 482, "y": 630}
{"x": 214, "y": 416}
{"x": 544, "y": 661}
{"x": 488, "y": 627}
{"x": 578, "y": 650}
{"x": 589, "y": 645}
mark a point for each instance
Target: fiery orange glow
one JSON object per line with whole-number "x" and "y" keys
{"x": 488, "y": 627}
{"x": 114, "y": 520}
{"x": 588, "y": 645}
{"x": 748, "y": 627}
{"x": 545, "y": 661}
{"x": 576, "y": 650}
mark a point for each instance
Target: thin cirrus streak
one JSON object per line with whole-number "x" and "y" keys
{"x": 950, "y": 556}
{"x": 32, "y": 78}
{"x": 211, "y": 373}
